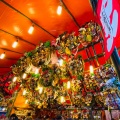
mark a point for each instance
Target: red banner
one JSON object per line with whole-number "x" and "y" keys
{"x": 108, "y": 12}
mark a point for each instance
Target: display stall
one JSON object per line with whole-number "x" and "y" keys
{"x": 70, "y": 76}
{"x": 54, "y": 81}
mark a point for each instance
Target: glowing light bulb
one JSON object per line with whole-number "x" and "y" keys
{"x": 59, "y": 10}
{"x": 3, "y": 109}
{"x": 38, "y": 102}
{"x": 37, "y": 71}
{"x": 14, "y": 45}
{"x": 31, "y": 29}
{"x": 2, "y": 56}
{"x": 60, "y": 62}
{"x": 24, "y": 75}
{"x": 24, "y": 92}
{"x": 62, "y": 99}
{"x": 91, "y": 69}
{"x": 40, "y": 89}
{"x": 26, "y": 102}
{"x": 14, "y": 79}
{"x": 68, "y": 85}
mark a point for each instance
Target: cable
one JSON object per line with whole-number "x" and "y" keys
{"x": 10, "y": 50}
{"x": 18, "y": 37}
{"x": 27, "y": 17}
{"x": 63, "y": 4}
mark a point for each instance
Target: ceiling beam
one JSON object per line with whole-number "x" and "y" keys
{"x": 71, "y": 15}
{"x": 11, "y": 58}
{"x": 17, "y": 37}
{"x": 10, "y": 6}
{"x": 4, "y": 67}
{"x": 5, "y": 49}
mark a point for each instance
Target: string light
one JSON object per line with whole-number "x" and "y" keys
{"x": 60, "y": 62}
{"x": 14, "y": 79}
{"x": 2, "y": 56}
{"x": 14, "y": 45}
{"x": 62, "y": 99}
{"x": 26, "y": 102}
{"x": 68, "y": 85}
{"x": 40, "y": 89}
{"x": 3, "y": 109}
{"x": 24, "y": 92}
{"x": 37, "y": 71}
{"x": 59, "y": 10}
{"x": 91, "y": 69}
{"x": 31, "y": 29}
{"x": 24, "y": 75}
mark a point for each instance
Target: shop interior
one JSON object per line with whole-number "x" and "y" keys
{"x": 53, "y": 62}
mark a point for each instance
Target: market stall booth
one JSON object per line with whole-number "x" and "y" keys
{"x": 66, "y": 73}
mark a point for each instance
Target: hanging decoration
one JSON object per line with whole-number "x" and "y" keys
{"x": 90, "y": 32}
{"x": 54, "y": 74}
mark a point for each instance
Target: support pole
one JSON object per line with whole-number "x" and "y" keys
{"x": 116, "y": 61}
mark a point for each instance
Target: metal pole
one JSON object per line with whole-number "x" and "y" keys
{"x": 116, "y": 61}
